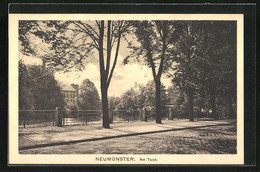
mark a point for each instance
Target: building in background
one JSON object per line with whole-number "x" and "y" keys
{"x": 70, "y": 94}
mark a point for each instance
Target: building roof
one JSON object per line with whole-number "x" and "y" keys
{"x": 67, "y": 88}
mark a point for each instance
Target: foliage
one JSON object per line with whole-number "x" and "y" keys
{"x": 204, "y": 67}
{"x": 155, "y": 42}
{"x": 38, "y": 88}
{"x": 148, "y": 97}
{"x": 25, "y": 28}
{"x": 113, "y": 102}
{"x": 220, "y": 60}
{"x": 26, "y": 98}
{"x": 175, "y": 96}
{"x": 88, "y": 96}
{"x": 140, "y": 97}
{"x": 187, "y": 51}
{"x": 129, "y": 100}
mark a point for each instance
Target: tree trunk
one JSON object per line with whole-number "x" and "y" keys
{"x": 191, "y": 111}
{"x": 106, "y": 122}
{"x": 213, "y": 105}
{"x": 230, "y": 108}
{"x": 158, "y": 101}
{"x": 103, "y": 78}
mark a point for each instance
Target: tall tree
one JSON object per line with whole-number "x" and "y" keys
{"x": 46, "y": 91}
{"x": 26, "y": 98}
{"x": 71, "y": 42}
{"x": 88, "y": 96}
{"x": 155, "y": 38}
{"x": 187, "y": 51}
{"x": 219, "y": 64}
{"x": 38, "y": 89}
{"x": 175, "y": 96}
{"x": 205, "y": 61}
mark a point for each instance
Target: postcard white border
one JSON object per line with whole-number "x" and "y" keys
{"x": 16, "y": 158}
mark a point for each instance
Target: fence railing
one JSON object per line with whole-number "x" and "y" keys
{"x": 58, "y": 117}
{"x": 76, "y": 117}
{"x": 36, "y": 118}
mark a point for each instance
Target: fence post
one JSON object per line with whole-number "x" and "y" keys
{"x": 144, "y": 115}
{"x": 86, "y": 120}
{"x": 58, "y": 118}
{"x": 170, "y": 117}
{"x": 53, "y": 119}
{"x": 128, "y": 115}
{"x": 110, "y": 114}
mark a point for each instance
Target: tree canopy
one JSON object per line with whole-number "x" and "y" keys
{"x": 140, "y": 97}
{"x": 38, "y": 89}
{"x": 204, "y": 63}
{"x": 88, "y": 96}
{"x": 155, "y": 42}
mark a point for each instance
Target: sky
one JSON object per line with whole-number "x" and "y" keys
{"x": 124, "y": 77}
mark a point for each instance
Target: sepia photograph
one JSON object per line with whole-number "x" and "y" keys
{"x": 126, "y": 89}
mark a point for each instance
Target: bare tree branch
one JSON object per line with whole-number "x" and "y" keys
{"x": 98, "y": 24}
{"x": 91, "y": 28}
{"x": 116, "y": 55}
{"x": 95, "y": 39}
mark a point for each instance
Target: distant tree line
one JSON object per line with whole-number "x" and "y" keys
{"x": 39, "y": 90}
{"x": 139, "y": 97}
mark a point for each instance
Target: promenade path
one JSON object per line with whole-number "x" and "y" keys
{"x": 33, "y": 138}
